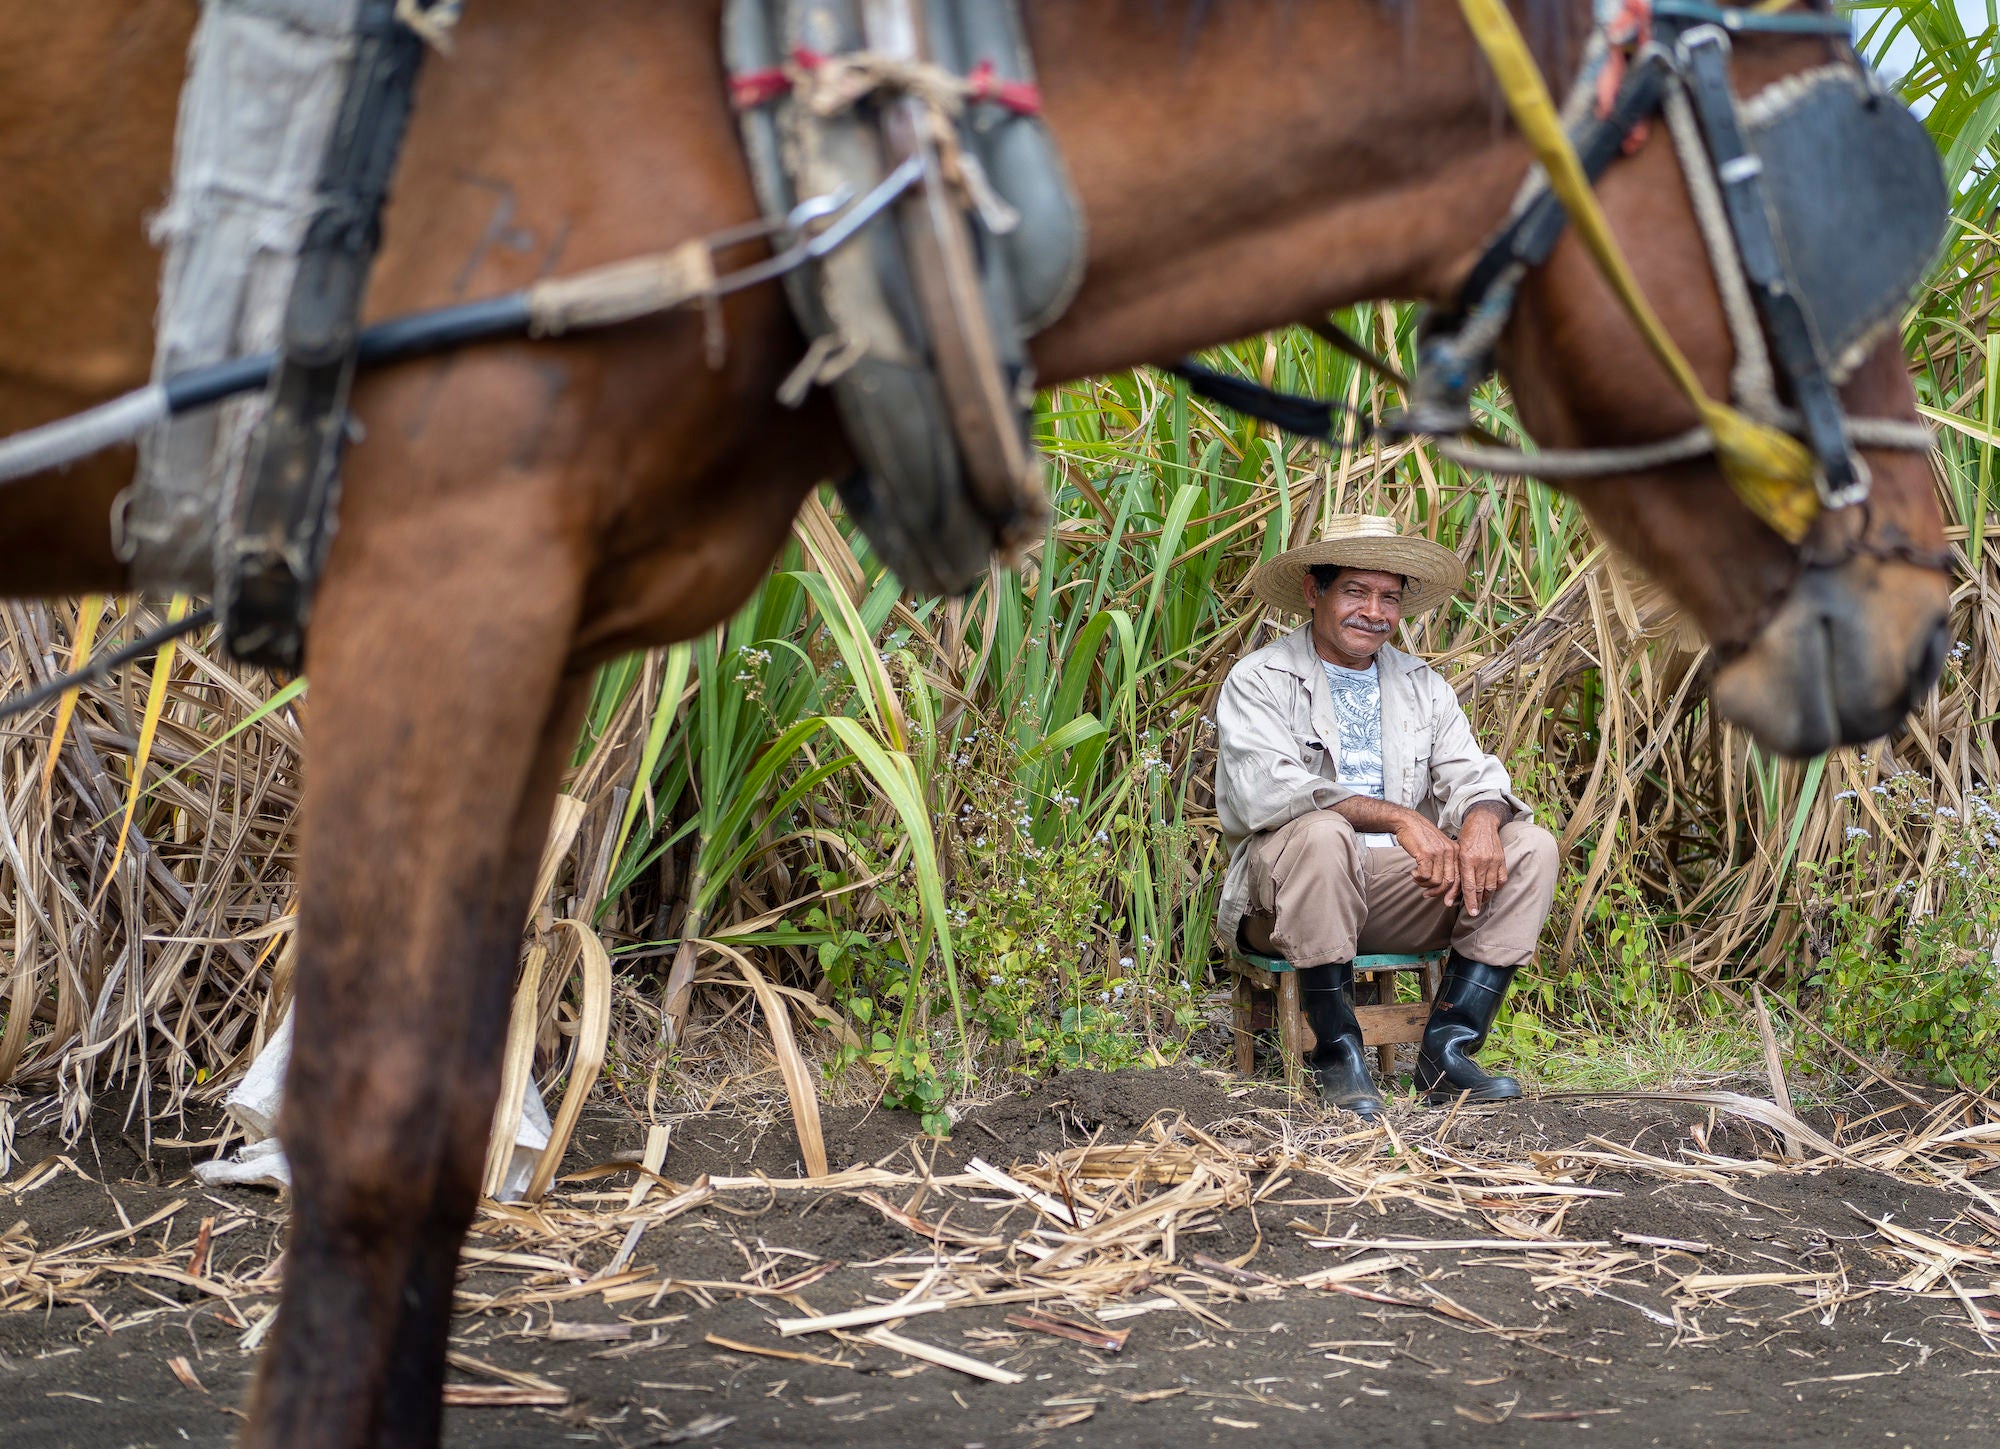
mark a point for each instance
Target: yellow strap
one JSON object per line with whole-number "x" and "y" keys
{"x": 1771, "y": 471}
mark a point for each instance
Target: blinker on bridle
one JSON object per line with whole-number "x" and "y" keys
{"x": 1679, "y": 66}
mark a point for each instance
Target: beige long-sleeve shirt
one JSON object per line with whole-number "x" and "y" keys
{"x": 1278, "y": 745}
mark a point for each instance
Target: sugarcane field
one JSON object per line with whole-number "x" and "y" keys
{"x": 999, "y": 723}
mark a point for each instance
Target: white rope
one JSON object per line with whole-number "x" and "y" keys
{"x": 622, "y": 291}
{"x": 1578, "y": 462}
{"x": 432, "y": 23}
{"x": 1909, "y": 436}
{"x": 1751, "y": 378}
{"x": 837, "y": 83}
{"x": 1897, "y": 433}
{"x": 58, "y": 444}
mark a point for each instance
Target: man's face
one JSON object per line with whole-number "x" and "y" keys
{"x": 1355, "y": 614}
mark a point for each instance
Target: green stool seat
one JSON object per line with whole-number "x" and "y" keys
{"x": 1381, "y": 961}
{"x": 1385, "y": 1022}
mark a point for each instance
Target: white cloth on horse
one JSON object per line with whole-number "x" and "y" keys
{"x": 255, "y": 1101}
{"x": 262, "y": 96}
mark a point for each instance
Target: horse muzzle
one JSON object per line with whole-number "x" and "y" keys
{"x": 1846, "y": 658}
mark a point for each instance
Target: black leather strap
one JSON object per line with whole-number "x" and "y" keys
{"x": 1302, "y": 417}
{"x": 1533, "y": 233}
{"x": 1739, "y": 171}
{"x": 275, "y": 534}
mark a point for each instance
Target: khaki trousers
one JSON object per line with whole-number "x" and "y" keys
{"x": 1318, "y": 895}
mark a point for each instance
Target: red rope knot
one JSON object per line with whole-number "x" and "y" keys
{"x": 1020, "y": 97}
{"x": 750, "y": 89}
{"x": 753, "y": 88}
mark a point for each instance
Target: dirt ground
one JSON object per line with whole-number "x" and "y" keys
{"x": 1618, "y": 1272}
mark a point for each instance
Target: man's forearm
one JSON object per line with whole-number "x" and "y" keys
{"x": 1366, "y": 813}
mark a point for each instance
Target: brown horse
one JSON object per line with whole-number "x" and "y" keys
{"x": 519, "y": 513}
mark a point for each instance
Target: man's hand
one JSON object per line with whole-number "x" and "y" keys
{"x": 1482, "y": 862}
{"x": 1435, "y": 853}
{"x": 1438, "y": 873}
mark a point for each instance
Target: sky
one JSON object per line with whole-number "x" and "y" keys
{"x": 1974, "y": 12}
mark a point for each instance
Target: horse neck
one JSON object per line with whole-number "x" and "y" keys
{"x": 88, "y": 91}
{"x": 1249, "y": 163}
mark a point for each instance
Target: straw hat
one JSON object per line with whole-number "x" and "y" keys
{"x": 1362, "y": 541}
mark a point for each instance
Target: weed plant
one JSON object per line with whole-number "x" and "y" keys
{"x": 1912, "y": 971}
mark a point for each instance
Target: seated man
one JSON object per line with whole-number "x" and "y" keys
{"x": 1363, "y": 817}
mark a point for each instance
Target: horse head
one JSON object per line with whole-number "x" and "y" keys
{"x": 1276, "y": 160}
{"x": 1828, "y": 641}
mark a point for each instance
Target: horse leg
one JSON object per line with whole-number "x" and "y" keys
{"x": 439, "y": 717}
{"x": 412, "y": 1404}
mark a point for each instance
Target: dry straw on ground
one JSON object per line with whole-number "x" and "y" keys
{"x": 1096, "y": 1235}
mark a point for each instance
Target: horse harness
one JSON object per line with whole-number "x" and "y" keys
{"x": 1821, "y": 200}
{"x": 921, "y": 330}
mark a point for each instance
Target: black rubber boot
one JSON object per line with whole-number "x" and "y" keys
{"x": 1463, "y": 1013}
{"x": 1339, "y": 1060}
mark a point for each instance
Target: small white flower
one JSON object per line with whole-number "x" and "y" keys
{"x": 1125, "y": 963}
{"x": 1855, "y": 832}
{"x": 1848, "y": 795}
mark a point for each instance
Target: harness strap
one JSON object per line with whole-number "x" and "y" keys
{"x": 1739, "y": 171}
{"x": 1304, "y": 417}
{"x": 1533, "y": 233}
{"x": 103, "y": 665}
{"x": 1751, "y": 380}
{"x": 1770, "y": 471}
{"x": 278, "y": 522}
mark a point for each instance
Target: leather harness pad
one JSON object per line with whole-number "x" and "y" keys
{"x": 900, "y": 363}
{"x": 1858, "y": 198}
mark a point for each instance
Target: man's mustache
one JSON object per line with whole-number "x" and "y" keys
{"x": 1355, "y": 622}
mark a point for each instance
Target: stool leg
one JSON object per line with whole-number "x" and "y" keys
{"x": 1240, "y": 1013}
{"x": 1289, "y": 1023}
{"x": 1382, "y": 991}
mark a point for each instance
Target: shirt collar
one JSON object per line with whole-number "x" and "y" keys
{"x": 1295, "y": 655}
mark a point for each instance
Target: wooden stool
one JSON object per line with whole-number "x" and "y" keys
{"x": 1385, "y": 1022}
